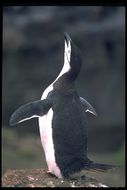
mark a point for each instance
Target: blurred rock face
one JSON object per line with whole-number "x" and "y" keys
{"x": 33, "y": 46}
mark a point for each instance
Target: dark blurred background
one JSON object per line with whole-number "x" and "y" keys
{"x": 33, "y": 46}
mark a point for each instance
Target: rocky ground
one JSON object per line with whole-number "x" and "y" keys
{"x": 40, "y": 178}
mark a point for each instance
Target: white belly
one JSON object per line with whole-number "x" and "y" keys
{"x": 45, "y": 126}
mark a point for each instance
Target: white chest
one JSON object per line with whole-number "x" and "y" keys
{"x": 45, "y": 126}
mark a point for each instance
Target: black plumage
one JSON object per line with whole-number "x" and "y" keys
{"x": 68, "y": 125}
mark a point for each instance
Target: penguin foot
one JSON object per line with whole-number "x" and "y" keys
{"x": 51, "y": 174}
{"x": 78, "y": 176}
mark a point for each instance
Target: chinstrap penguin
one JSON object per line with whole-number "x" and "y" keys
{"x": 62, "y": 119}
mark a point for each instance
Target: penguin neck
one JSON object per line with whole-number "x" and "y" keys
{"x": 69, "y": 72}
{"x": 65, "y": 81}
{"x": 64, "y": 84}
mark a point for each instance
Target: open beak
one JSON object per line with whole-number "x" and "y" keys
{"x": 67, "y": 38}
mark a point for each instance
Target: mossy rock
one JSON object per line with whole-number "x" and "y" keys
{"x": 41, "y": 178}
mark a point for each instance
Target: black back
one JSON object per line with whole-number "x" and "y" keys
{"x": 69, "y": 131}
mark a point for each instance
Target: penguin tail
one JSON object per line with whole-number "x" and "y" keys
{"x": 92, "y": 166}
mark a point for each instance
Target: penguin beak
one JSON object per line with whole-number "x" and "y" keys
{"x": 67, "y": 38}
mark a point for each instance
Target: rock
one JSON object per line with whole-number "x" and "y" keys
{"x": 41, "y": 178}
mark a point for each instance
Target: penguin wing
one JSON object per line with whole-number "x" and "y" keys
{"x": 30, "y": 110}
{"x": 87, "y": 106}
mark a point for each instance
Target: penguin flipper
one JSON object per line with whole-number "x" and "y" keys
{"x": 30, "y": 110}
{"x": 88, "y": 107}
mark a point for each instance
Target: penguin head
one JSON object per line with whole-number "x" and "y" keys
{"x": 72, "y": 57}
{"x": 71, "y": 66}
